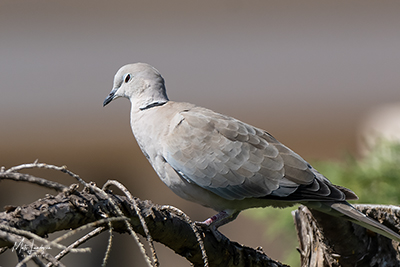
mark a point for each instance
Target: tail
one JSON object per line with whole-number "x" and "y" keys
{"x": 361, "y": 219}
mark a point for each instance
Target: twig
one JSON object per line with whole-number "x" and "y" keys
{"x": 22, "y": 177}
{"x": 39, "y": 262}
{"x": 52, "y": 243}
{"x": 37, "y": 238}
{"x": 80, "y": 241}
{"x": 23, "y": 260}
{"x": 20, "y": 255}
{"x": 193, "y": 226}
{"x": 139, "y": 213}
{"x": 104, "y": 194}
{"x": 109, "y": 245}
{"x": 91, "y": 186}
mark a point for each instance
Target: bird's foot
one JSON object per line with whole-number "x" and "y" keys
{"x": 218, "y": 220}
{"x": 217, "y": 234}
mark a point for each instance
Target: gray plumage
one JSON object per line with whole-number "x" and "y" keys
{"x": 220, "y": 162}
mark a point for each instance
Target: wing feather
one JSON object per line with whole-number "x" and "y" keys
{"x": 236, "y": 160}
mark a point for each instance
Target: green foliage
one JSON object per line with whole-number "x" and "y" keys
{"x": 279, "y": 225}
{"x": 374, "y": 178}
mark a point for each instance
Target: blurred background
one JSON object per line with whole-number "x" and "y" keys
{"x": 312, "y": 73}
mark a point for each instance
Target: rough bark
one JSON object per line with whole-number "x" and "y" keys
{"x": 329, "y": 241}
{"x": 324, "y": 240}
{"x": 72, "y": 209}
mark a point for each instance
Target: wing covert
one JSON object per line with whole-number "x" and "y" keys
{"x": 230, "y": 158}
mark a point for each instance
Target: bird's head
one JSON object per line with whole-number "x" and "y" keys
{"x": 141, "y": 83}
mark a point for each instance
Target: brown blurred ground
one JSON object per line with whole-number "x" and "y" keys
{"x": 305, "y": 71}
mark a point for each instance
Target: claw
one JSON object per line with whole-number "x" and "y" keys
{"x": 210, "y": 227}
{"x": 218, "y": 220}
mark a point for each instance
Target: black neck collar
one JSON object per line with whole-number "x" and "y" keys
{"x": 155, "y": 104}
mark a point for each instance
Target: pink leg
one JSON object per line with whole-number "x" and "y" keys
{"x": 217, "y": 217}
{"x": 218, "y": 220}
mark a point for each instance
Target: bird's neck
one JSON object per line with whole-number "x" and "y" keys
{"x": 153, "y": 95}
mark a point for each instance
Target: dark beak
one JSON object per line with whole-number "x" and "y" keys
{"x": 110, "y": 97}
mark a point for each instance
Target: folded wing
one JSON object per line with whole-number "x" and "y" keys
{"x": 236, "y": 160}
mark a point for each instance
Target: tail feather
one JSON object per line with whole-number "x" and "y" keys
{"x": 363, "y": 220}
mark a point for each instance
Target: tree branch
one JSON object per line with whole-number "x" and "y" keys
{"x": 324, "y": 240}
{"x": 72, "y": 209}
{"x": 330, "y": 241}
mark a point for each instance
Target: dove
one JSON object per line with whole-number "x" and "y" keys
{"x": 220, "y": 162}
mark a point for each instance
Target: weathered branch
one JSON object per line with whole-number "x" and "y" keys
{"x": 24, "y": 177}
{"x": 324, "y": 240}
{"x": 71, "y": 209}
{"x": 330, "y": 241}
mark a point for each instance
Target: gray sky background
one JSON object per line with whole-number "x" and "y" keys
{"x": 294, "y": 68}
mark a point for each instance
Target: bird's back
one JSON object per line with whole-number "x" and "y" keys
{"x": 232, "y": 159}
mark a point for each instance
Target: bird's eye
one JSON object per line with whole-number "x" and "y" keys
{"x": 127, "y": 78}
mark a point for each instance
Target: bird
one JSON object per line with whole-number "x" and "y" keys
{"x": 223, "y": 163}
